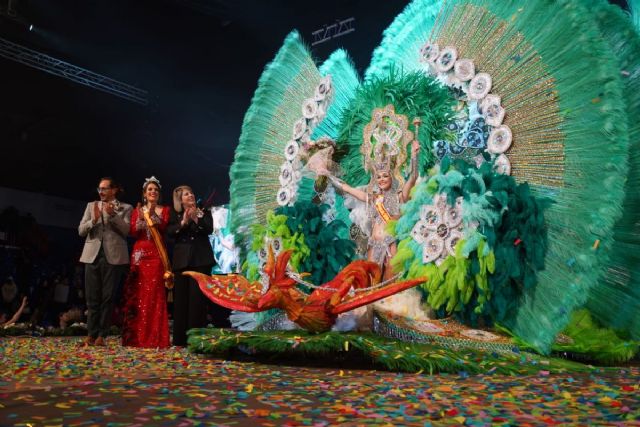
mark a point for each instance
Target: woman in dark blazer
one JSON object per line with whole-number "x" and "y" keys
{"x": 189, "y": 227}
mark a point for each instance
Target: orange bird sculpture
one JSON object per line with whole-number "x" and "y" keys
{"x": 315, "y": 312}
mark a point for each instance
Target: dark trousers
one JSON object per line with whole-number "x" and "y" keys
{"x": 189, "y": 304}
{"x": 100, "y": 281}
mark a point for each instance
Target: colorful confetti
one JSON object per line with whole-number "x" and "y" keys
{"x": 54, "y": 381}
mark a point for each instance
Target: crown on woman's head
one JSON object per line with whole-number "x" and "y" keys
{"x": 383, "y": 156}
{"x": 153, "y": 179}
{"x": 383, "y": 166}
{"x": 382, "y": 163}
{"x": 385, "y": 140}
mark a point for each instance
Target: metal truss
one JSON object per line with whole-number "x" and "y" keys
{"x": 329, "y": 32}
{"x": 71, "y": 72}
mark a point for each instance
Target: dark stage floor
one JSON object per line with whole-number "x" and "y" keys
{"x": 54, "y": 381}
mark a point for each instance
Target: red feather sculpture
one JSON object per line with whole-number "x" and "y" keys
{"x": 316, "y": 312}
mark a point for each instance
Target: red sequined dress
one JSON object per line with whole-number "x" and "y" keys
{"x": 146, "y": 322}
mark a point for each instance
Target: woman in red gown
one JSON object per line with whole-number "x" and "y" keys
{"x": 146, "y": 321}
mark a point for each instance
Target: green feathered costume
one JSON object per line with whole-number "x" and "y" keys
{"x": 530, "y": 131}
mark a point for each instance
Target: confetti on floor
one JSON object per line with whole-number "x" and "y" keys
{"x": 54, "y": 381}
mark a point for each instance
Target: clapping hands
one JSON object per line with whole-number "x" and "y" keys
{"x": 190, "y": 213}
{"x": 109, "y": 208}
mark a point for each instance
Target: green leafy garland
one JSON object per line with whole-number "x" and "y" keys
{"x": 590, "y": 339}
{"x": 383, "y": 353}
{"x": 585, "y": 338}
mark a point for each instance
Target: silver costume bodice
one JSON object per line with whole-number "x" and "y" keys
{"x": 391, "y": 203}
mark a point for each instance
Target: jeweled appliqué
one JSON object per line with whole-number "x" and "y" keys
{"x": 313, "y": 110}
{"x": 439, "y": 229}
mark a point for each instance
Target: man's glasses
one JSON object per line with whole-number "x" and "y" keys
{"x": 103, "y": 189}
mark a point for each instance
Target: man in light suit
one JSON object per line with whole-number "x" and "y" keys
{"x": 105, "y": 224}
